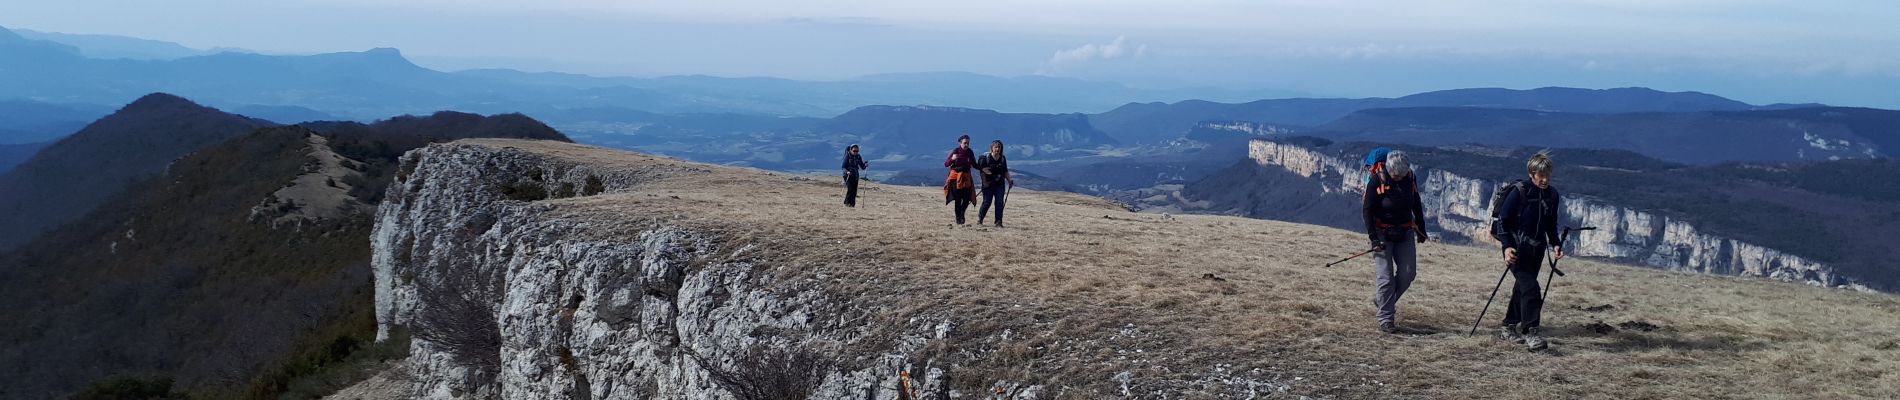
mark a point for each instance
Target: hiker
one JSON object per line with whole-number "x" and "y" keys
{"x": 852, "y": 164}
{"x": 1395, "y": 217}
{"x": 960, "y": 187}
{"x": 1526, "y": 227}
{"x": 995, "y": 170}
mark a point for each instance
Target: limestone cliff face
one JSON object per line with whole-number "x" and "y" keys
{"x": 1245, "y": 127}
{"x": 507, "y": 299}
{"x": 1460, "y": 207}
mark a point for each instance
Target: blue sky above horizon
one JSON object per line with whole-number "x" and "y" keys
{"x": 1836, "y": 52}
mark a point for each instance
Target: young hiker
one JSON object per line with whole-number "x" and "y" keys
{"x": 1527, "y": 225}
{"x": 995, "y": 170}
{"x": 1395, "y": 218}
{"x": 960, "y": 187}
{"x": 852, "y": 164}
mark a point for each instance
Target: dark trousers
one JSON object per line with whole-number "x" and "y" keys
{"x": 1527, "y": 299}
{"x": 851, "y": 190}
{"x": 992, "y": 193}
{"x": 963, "y": 198}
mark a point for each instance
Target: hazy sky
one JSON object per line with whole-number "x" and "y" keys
{"x": 1839, "y": 52}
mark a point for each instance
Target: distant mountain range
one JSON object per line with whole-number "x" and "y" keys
{"x": 1708, "y": 137}
{"x": 70, "y": 177}
{"x": 897, "y": 137}
{"x": 775, "y": 96}
{"x": 915, "y": 136}
{"x": 1159, "y": 122}
{"x": 911, "y": 132}
{"x": 114, "y": 46}
{"x": 379, "y": 82}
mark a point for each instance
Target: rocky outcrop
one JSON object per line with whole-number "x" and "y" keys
{"x": 1459, "y": 207}
{"x": 321, "y": 193}
{"x": 506, "y": 299}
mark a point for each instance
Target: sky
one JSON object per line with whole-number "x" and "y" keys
{"x": 1838, "y": 52}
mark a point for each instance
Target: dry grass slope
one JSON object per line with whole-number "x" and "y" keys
{"x": 1086, "y": 291}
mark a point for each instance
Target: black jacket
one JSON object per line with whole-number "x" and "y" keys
{"x": 1528, "y": 218}
{"x": 853, "y": 163}
{"x": 999, "y": 169}
{"x": 1390, "y": 205}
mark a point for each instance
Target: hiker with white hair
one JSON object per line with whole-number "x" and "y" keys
{"x": 1395, "y": 223}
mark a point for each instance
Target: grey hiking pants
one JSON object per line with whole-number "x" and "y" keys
{"x": 1395, "y": 267}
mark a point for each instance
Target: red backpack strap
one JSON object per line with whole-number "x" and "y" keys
{"x": 1378, "y": 172}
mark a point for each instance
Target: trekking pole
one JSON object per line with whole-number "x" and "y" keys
{"x": 862, "y": 190}
{"x": 1368, "y": 251}
{"x": 1487, "y": 301}
{"x": 1554, "y": 272}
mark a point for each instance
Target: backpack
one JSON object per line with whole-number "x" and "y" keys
{"x": 1497, "y": 202}
{"x": 1375, "y": 162}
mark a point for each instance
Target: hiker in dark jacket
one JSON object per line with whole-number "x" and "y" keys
{"x": 1395, "y": 218}
{"x": 1527, "y": 225}
{"x": 960, "y": 187}
{"x": 852, "y": 164}
{"x": 995, "y": 170}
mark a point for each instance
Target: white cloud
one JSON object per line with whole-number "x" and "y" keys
{"x": 1091, "y": 52}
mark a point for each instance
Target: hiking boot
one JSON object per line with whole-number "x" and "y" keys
{"x": 1388, "y": 327}
{"x": 1533, "y": 340}
{"x": 1509, "y": 333}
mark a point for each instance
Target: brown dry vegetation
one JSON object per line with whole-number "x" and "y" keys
{"x": 1086, "y": 290}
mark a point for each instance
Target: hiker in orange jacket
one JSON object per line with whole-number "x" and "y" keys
{"x": 960, "y": 187}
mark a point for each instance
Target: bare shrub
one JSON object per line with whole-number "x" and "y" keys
{"x": 762, "y": 372}
{"x": 593, "y": 187}
{"x": 457, "y": 315}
